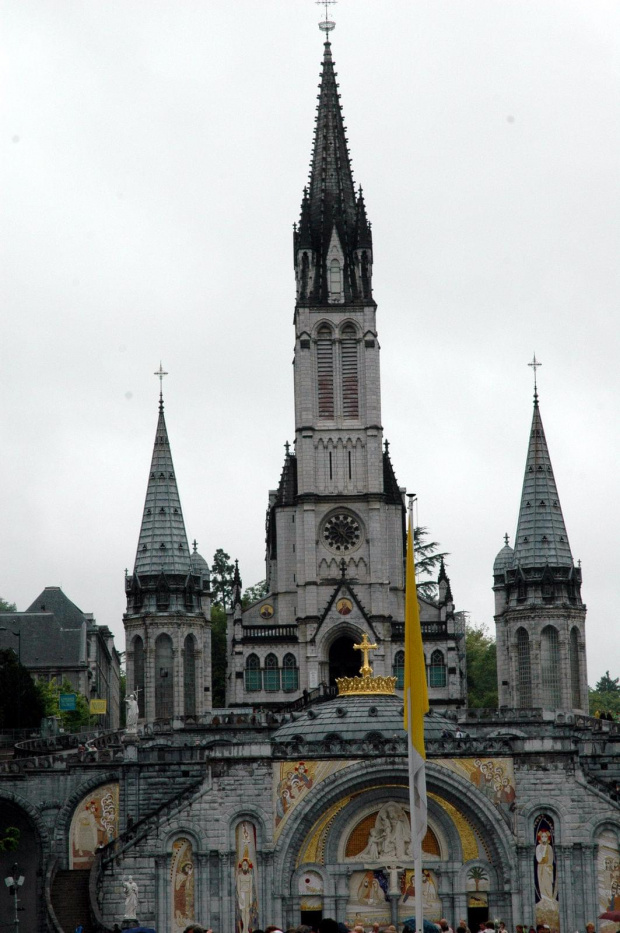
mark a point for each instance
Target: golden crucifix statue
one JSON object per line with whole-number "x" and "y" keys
{"x": 365, "y": 647}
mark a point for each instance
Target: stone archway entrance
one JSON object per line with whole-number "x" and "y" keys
{"x": 344, "y": 661}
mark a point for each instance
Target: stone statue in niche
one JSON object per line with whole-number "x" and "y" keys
{"x": 130, "y": 889}
{"x": 390, "y": 838}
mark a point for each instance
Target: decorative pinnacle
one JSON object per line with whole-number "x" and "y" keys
{"x": 160, "y": 372}
{"x": 506, "y": 538}
{"x": 287, "y": 448}
{"x": 328, "y": 24}
{"x": 535, "y": 364}
{"x": 195, "y": 545}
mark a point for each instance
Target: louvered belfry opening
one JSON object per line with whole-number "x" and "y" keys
{"x": 550, "y": 668}
{"x": 189, "y": 683}
{"x": 350, "y": 380}
{"x": 524, "y": 670}
{"x": 138, "y": 673}
{"x": 164, "y": 677}
{"x": 573, "y": 647}
{"x": 325, "y": 372}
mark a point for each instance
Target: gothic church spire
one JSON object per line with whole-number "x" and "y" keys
{"x": 333, "y": 226}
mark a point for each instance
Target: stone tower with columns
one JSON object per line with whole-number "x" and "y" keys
{"x": 167, "y": 622}
{"x": 539, "y": 613}
{"x": 335, "y": 524}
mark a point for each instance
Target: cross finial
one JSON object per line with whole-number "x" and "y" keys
{"x": 365, "y": 647}
{"x": 195, "y": 545}
{"x": 535, "y": 364}
{"x": 506, "y": 539}
{"x": 327, "y": 25}
{"x": 343, "y": 567}
{"x": 160, "y": 372}
{"x": 287, "y": 448}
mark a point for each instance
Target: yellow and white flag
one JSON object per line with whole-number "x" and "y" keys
{"x": 416, "y": 700}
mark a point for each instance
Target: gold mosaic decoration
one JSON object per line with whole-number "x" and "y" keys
{"x": 366, "y": 685}
{"x": 466, "y": 833}
{"x": 313, "y": 849}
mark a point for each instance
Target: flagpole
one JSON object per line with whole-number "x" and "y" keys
{"x": 416, "y": 842}
{"x": 414, "y": 771}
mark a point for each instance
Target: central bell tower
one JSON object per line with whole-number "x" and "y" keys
{"x": 335, "y": 531}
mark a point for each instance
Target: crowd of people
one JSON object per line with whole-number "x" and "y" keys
{"x": 332, "y": 926}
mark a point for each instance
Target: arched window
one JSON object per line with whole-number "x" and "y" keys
{"x": 164, "y": 677}
{"x": 189, "y": 678}
{"x": 271, "y": 674}
{"x": 398, "y": 669}
{"x": 437, "y": 670}
{"x": 524, "y": 670}
{"x": 138, "y": 673}
{"x": 253, "y": 680}
{"x": 575, "y": 686}
{"x": 550, "y": 668}
{"x": 290, "y": 673}
{"x": 350, "y": 384}
{"x": 325, "y": 372}
{"x": 335, "y": 279}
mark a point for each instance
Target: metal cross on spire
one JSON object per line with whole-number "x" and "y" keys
{"x": 535, "y": 364}
{"x": 160, "y": 372}
{"x": 327, "y": 25}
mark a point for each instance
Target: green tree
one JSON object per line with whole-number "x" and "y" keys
{"x": 7, "y": 607}
{"x": 481, "y": 668}
{"x": 20, "y": 704}
{"x": 254, "y": 593}
{"x": 218, "y": 655}
{"x": 427, "y": 561}
{"x": 608, "y": 685}
{"x": 9, "y": 839}
{"x": 71, "y": 720}
{"x": 222, "y": 574}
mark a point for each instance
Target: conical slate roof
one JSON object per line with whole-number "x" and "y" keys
{"x": 541, "y": 533}
{"x": 162, "y": 546}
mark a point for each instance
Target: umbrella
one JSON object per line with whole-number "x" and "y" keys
{"x": 428, "y": 926}
{"x": 142, "y": 930}
{"x": 613, "y": 915}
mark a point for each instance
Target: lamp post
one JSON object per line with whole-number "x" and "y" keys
{"x": 18, "y": 635}
{"x": 14, "y": 883}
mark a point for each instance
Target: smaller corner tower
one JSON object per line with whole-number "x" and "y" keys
{"x": 167, "y": 622}
{"x": 539, "y": 613}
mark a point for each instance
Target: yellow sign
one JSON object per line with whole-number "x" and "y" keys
{"x": 99, "y": 707}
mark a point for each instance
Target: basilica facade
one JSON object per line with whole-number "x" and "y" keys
{"x": 291, "y": 803}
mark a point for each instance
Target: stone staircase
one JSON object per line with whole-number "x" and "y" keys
{"x": 70, "y": 900}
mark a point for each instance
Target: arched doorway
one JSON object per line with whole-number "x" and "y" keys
{"x": 344, "y": 661}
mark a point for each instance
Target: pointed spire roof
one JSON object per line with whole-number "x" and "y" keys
{"x": 541, "y": 533}
{"x": 330, "y": 205}
{"x": 331, "y": 178}
{"x": 162, "y": 545}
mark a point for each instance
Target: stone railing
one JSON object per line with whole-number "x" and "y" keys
{"x": 66, "y": 742}
{"x": 504, "y": 714}
{"x": 252, "y": 633}
{"x": 138, "y": 830}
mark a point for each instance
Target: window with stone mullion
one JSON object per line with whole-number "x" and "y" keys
{"x": 290, "y": 674}
{"x": 271, "y": 674}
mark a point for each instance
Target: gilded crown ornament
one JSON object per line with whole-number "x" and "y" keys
{"x": 366, "y": 685}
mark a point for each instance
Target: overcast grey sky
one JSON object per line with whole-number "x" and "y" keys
{"x": 154, "y": 155}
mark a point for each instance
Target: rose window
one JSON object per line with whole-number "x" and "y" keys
{"x": 341, "y": 532}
